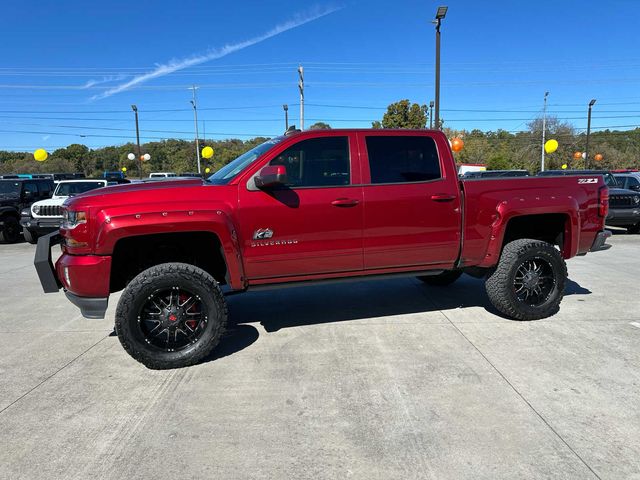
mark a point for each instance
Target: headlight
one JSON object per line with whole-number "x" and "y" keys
{"x": 71, "y": 219}
{"x": 35, "y": 209}
{"x": 636, "y": 200}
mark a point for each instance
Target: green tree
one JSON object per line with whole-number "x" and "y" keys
{"x": 320, "y": 126}
{"x": 403, "y": 114}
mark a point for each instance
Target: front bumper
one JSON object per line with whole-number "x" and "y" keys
{"x": 620, "y": 217}
{"x": 599, "y": 243}
{"x": 85, "y": 278}
{"x": 41, "y": 225}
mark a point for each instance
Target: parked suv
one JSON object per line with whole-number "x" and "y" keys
{"x": 45, "y": 216}
{"x": 16, "y": 195}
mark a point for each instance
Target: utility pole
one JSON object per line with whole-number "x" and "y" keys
{"x": 301, "y": 88}
{"x": 544, "y": 128}
{"x": 431, "y": 115}
{"x": 286, "y": 116}
{"x": 135, "y": 111}
{"x": 440, "y": 14}
{"x": 586, "y": 148}
{"x": 195, "y": 121}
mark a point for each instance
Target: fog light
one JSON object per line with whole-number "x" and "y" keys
{"x": 66, "y": 276}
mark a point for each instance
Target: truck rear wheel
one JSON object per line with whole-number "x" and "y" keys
{"x": 171, "y": 315}
{"x": 443, "y": 279}
{"x": 529, "y": 281}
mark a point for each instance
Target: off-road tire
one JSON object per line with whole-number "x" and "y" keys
{"x": 500, "y": 284}
{"x": 443, "y": 279}
{"x": 634, "y": 228}
{"x": 167, "y": 275}
{"x": 29, "y": 236}
{"x": 10, "y": 231}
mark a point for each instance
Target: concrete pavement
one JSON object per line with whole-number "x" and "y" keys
{"x": 377, "y": 380}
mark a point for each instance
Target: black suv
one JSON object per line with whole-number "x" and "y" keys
{"x": 15, "y": 195}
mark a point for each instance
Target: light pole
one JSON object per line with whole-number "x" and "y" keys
{"x": 195, "y": 121}
{"x": 586, "y": 148}
{"x": 301, "y": 88}
{"x": 440, "y": 14}
{"x": 135, "y": 111}
{"x": 431, "y": 115}
{"x": 286, "y": 117}
{"x": 544, "y": 128}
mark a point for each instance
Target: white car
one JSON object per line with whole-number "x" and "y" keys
{"x": 45, "y": 216}
{"x": 162, "y": 175}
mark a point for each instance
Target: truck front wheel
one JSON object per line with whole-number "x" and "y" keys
{"x": 171, "y": 315}
{"x": 529, "y": 281}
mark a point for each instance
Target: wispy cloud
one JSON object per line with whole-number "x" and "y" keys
{"x": 46, "y": 137}
{"x": 111, "y": 78}
{"x": 214, "y": 54}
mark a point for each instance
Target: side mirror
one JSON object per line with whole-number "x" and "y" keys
{"x": 271, "y": 176}
{"x": 635, "y": 187}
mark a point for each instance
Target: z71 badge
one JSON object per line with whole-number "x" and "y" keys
{"x": 587, "y": 180}
{"x": 262, "y": 234}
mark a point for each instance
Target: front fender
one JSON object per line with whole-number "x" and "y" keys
{"x": 113, "y": 224}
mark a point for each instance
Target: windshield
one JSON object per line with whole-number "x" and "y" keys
{"x": 70, "y": 189}
{"x": 610, "y": 180}
{"x": 9, "y": 187}
{"x": 230, "y": 170}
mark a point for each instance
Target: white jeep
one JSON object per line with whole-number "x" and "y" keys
{"x": 45, "y": 216}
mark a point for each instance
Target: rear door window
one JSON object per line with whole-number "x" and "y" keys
{"x": 402, "y": 159}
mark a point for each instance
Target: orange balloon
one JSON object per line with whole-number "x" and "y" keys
{"x": 598, "y": 157}
{"x": 577, "y": 155}
{"x": 457, "y": 144}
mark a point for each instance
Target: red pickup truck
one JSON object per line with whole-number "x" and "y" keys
{"x": 320, "y": 205}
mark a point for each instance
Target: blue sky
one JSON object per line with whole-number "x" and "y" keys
{"x": 498, "y": 59}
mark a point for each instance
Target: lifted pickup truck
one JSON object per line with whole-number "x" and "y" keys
{"x": 319, "y": 205}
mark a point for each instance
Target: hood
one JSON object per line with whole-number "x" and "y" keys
{"x": 50, "y": 201}
{"x": 140, "y": 187}
{"x": 622, "y": 191}
{"x": 191, "y": 192}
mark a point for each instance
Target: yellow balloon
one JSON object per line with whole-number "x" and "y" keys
{"x": 124, "y": 169}
{"x": 207, "y": 170}
{"x": 40, "y": 155}
{"x": 207, "y": 152}
{"x": 564, "y": 166}
{"x": 551, "y": 146}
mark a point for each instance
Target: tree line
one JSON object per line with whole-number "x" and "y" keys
{"x": 498, "y": 149}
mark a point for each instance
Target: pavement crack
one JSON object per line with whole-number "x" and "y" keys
{"x": 52, "y": 375}
{"x": 522, "y": 397}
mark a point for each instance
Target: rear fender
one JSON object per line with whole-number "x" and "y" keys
{"x": 507, "y": 210}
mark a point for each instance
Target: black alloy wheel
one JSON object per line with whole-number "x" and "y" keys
{"x": 172, "y": 319}
{"x": 534, "y": 281}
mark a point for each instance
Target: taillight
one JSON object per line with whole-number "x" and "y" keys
{"x": 603, "y": 201}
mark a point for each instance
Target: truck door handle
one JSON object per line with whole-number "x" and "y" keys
{"x": 345, "y": 202}
{"x": 442, "y": 197}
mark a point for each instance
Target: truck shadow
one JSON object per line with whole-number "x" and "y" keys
{"x": 311, "y": 305}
